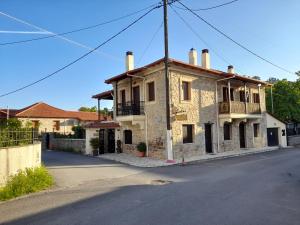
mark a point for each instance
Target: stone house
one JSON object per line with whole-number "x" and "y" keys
{"x": 211, "y": 111}
{"x": 47, "y": 118}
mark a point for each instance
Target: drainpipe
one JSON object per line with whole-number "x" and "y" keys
{"x": 146, "y": 117}
{"x": 217, "y": 110}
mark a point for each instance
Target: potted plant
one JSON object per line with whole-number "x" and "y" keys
{"x": 94, "y": 142}
{"x": 141, "y": 147}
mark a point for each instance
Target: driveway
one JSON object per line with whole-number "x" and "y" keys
{"x": 253, "y": 190}
{"x": 73, "y": 169}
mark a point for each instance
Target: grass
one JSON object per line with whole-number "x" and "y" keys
{"x": 25, "y": 182}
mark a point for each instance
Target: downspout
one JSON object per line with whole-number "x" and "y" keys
{"x": 217, "y": 110}
{"x": 146, "y": 117}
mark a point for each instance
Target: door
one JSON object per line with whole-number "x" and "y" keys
{"x": 242, "y": 135}
{"x": 208, "y": 138}
{"x": 272, "y": 136}
{"x": 111, "y": 140}
{"x": 136, "y": 100}
{"x": 101, "y": 141}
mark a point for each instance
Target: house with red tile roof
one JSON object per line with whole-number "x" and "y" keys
{"x": 51, "y": 119}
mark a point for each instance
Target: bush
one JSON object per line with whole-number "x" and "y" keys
{"x": 94, "y": 142}
{"x": 141, "y": 147}
{"x": 25, "y": 182}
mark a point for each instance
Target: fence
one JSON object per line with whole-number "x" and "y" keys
{"x": 20, "y": 137}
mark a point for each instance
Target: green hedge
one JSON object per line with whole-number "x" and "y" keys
{"x": 25, "y": 182}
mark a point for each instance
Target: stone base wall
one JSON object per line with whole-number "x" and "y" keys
{"x": 13, "y": 159}
{"x": 76, "y": 145}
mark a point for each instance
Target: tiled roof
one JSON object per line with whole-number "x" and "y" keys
{"x": 219, "y": 73}
{"x": 102, "y": 124}
{"x": 43, "y": 110}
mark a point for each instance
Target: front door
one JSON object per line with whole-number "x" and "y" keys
{"x": 111, "y": 140}
{"x": 101, "y": 141}
{"x": 136, "y": 100}
{"x": 242, "y": 135}
{"x": 208, "y": 138}
{"x": 272, "y": 136}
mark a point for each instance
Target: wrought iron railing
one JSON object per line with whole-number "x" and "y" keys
{"x": 130, "y": 108}
{"x": 20, "y": 137}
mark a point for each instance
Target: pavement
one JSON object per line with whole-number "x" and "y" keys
{"x": 252, "y": 190}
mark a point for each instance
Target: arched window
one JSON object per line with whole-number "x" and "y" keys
{"x": 127, "y": 136}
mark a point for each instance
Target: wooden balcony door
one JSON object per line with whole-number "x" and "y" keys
{"x": 136, "y": 100}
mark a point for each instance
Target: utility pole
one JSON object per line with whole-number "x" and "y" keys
{"x": 169, "y": 130}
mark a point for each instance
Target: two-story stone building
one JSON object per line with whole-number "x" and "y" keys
{"x": 211, "y": 111}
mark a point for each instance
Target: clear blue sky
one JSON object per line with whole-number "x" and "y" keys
{"x": 269, "y": 27}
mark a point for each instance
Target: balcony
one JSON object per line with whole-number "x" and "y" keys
{"x": 130, "y": 108}
{"x": 239, "y": 108}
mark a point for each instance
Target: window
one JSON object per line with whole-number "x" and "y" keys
{"x": 256, "y": 129}
{"x": 151, "y": 91}
{"x": 56, "y": 125}
{"x": 127, "y": 136}
{"x": 242, "y": 96}
{"x": 225, "y": 94}
{"x": 123, "y": 97}
{"x": 186, "y": 89}
{"x": 256, "y": 98}
{"x": 35, "y": 124}
{"x": 227, "y": 131}
{"x": 187, "y": 133}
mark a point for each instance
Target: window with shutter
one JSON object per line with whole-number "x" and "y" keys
{"x": 186, "y": 89}
{"x": 151, "y": 91}
{"x": 187, "y": 133}
{"x": 127, "y": 136}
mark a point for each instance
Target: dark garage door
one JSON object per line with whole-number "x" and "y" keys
{"x": 272, "y": 136}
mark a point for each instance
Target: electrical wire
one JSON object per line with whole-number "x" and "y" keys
{"x": 150, "y": 42}
{"x": 68, "y": 32}
{"x": 235, "y": 42}
{"x": 84, "y": 55}
{"x": 209, "y": 8}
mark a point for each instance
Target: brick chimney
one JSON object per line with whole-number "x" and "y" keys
{"x": 129, "y": 61}
{"x": 193, "y": 57}
{"x": 205, "y": 59}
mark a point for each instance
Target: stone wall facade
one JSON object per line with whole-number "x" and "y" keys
{"x": 67, "y": 144}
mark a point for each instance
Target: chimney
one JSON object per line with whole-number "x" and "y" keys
{"x": 129, "y": 61}
{"x": 193, "y": 57}
{"x": 230, "y": 69}
{"x": 205, "y": 59}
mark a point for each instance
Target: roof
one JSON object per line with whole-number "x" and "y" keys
{"x": 270, "y": 114}
{"x": 218, "y": 73}
{"x": 43, "y": 110}
{"x": 108, "y": 95}
{"x": 102, "y": 124}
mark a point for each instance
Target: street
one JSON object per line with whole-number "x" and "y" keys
{"x": 252, "y": 190}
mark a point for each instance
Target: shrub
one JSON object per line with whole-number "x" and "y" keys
{"x": 141, "y": 147}
{"x": 94, "y": 142}
{"x": 25, "y": 182}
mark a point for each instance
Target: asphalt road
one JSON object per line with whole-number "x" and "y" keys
{"x": 250, "y": 190}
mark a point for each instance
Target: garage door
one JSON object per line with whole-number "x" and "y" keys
{"x": 272, "y": 136}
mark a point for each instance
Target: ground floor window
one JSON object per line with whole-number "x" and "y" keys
{"x": 127, "y": 136}
{"x": 256, "y": 129}
{"x": 227, "y": 131}
{"x": 187, "y": 133}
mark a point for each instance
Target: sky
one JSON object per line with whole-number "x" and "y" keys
{"x": 270, "y": 28}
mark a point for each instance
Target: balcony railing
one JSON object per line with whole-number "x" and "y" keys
{"x": 239, "y": 107}
{"x": 130, "y": 108}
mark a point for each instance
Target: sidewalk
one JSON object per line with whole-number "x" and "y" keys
{"x": 150, "y": 162}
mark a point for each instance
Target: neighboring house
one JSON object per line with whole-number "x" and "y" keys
{"x": 276, "y": 131}
{"x": 211, "y": 111}
{"x": 50, "y": 119}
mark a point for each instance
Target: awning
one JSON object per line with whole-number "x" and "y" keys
{"x": 102, "y": 125}
{"x": 107, "y": 95}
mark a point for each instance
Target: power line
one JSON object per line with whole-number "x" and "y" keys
{"x": 209, "y": 8}
{"x": 84, "y": 55}
{"x": 68, "y": 32}
{"x": 197, "y": 35}
{"x": 150, "y": 42}
{"x": 237, "y": 43}
{"x": 22, "y": 32}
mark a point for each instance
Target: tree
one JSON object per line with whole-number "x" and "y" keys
{"x": 11, "y": 123}
{"x": 272, "y": 80}
{"x": 88, "y": 109}
{"x": 256, "y": 77}
{"x": 286, "y": 100}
